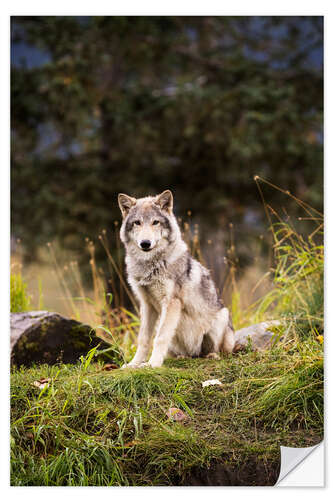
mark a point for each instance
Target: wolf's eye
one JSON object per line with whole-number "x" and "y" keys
{"x": 155, "y": 222}
{"x": 137, "y": 222}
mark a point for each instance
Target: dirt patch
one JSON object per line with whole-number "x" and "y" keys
{"x": 249, "y": 473}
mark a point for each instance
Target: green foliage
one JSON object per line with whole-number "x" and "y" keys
{"x": 19, "y": 299}
{"x": 297, "y": 395}
{"x": 298, "y": 294}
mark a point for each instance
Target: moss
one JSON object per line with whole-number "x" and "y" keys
{"x": 55, "y": 338}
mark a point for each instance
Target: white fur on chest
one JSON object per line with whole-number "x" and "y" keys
{"x": 157, "y": 293}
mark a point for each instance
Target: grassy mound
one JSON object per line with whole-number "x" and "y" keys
{"x": 90, "y": 426}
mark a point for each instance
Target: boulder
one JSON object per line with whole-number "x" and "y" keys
{"x": 47, "y": 337}
{"x": 260, "y": 336}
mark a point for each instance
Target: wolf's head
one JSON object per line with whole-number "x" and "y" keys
{"x": 149, "y": 225}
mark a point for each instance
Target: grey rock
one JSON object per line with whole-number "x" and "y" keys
{"x": 260, "y": 336}
{"x": 19, "y": 322}
{"x": 47, "y": 337}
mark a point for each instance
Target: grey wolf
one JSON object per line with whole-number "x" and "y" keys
{"x": 179, "y": 304}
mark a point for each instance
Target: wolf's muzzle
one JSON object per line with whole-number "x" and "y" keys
{"x": 145, "y": 245}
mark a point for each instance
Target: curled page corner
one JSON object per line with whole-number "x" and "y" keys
{"x": 291, "y": 458}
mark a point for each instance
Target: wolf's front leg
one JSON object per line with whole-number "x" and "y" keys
{"x": 169, "y": 319}
{"x": 147, "y": 327}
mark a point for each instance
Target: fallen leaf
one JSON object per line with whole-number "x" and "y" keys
{"x": 238, "y": 348}
{"x": 43, "y": 382}
{"x": 131, "y": 443}
{"x": 176, "y": 415}
{"x": 110, "y": 366}
{"x": 214, "y": 381}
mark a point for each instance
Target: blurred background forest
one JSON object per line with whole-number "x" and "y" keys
{"x": 199, "y": 105}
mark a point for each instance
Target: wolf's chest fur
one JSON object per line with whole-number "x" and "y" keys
{"x": 148, "y": 274}
{"x": 156, "y": 293}
{"x": 152, "y": 280}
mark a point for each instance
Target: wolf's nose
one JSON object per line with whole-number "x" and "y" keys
{"x": 145, "y": 244}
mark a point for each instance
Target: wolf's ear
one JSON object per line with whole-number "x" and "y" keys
{"x": 165, "y": 201}
{"x": 125, "y": 203}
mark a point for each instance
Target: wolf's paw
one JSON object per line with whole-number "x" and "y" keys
{"x": 151, "y": 364}
{"x": 212, "y": 355}
{"x": 129, "y": 365}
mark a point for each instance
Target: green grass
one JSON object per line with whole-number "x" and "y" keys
{"x": 298, "y": 295}
{"x": 93, "y": 427}
{"x": 19, "y": 299}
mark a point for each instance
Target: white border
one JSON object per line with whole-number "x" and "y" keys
{"x": 144, "y": 7}
{"x": 172, "y": 7}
